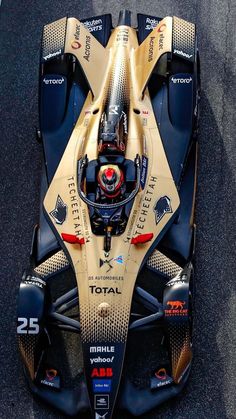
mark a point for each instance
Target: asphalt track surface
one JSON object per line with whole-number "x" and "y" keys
{"x": 211, "y": 389}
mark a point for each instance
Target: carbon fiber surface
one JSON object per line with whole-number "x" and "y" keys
{"x": 53, "y": 39}
{"x": 162, "y": 264}
{"x": 183, "y": 38}
{"x": 52, "y": 265}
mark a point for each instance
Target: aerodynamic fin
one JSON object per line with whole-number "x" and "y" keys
{"x": 92, "y": 56}
{"x": 158, "y": 42}
{"x": 171, "y": 35}
{"x": 69, "y": 35}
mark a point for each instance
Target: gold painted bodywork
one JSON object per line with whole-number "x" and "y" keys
{"x": 122, "y": 59}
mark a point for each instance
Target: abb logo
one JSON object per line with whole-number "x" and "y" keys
{"x": 102, "y": 372}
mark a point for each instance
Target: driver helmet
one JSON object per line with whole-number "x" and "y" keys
{"x": 110, "y": 179}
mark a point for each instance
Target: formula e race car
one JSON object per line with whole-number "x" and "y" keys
{"x": 111, "y": 257}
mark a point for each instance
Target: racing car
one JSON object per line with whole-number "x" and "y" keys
{"x": 110, "y": 277}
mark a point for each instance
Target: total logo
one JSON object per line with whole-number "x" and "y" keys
{"x": 53, "y": 81}
{"x": 103, "y": 290}
{"x": 184, "y": 54}
{"x": 181, "y": 80}
{"x": 102, "y": 372}
{"x": 99, "y": 360}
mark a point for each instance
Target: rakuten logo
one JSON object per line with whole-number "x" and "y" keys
{"x": 54, "y": 54}
{"x": 184, "y": 54}
{"x": 182, "y": 81}
{"x": 54, "y": 81}
{"x": 101, "y": 360}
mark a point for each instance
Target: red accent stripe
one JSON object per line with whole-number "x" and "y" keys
{"x": 71, "y": 238}
{"x": 142, "y": 238}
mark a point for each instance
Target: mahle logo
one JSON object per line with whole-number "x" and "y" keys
{"x": 101, "y": 349}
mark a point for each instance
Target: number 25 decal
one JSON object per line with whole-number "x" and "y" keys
{"x": 28, "y": 326}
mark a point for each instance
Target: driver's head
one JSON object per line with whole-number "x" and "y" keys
{"x": 110, "y": 179}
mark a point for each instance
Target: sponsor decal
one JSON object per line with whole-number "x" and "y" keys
{"x": 122, "y": 35}
{"x": 100, "y": 349}
{"x": 144, "y": 145}
{"x": 144, "y": 170}
{"x": 145, "y": 205}
{"x": 100, "y": 360}
{"x": 101, "y": 386}
{"x": 33, "y": 280}
{"x": 131, "y": 224}
{"x": 60, "y": 211}
{"x": 93, "y": 25}
{"x": 98, "y": 416}
{"x": 144, "y": 122}
{"x": 77, "y": 32}
{"x": 105, "y": 278}
{"x": 47, "y": 383}
{"x": 53, "y": 81}
{"x": 106, "y": 261}
{"x": 176, "y": 304}
{"x": 161, "y": 379}
{"x": 74, "y": 205}
{"x": 53, "y": 54}
{"x": 182, "y": 53}
{"x": 161, "y": 41}
{"x": 114, "y": 109}
{"x": 151, "y": 47}
{"x": 151, "y": 23}
{"x": 176, "y": 308}
{"x": 51, "y": 374}
{"x": 119, "y": 259}
{"x": 76, "y": 44}
{"x": 162, "y": 207}
{"x": 161, "y": 374}
{"x": 102, "y": 372}
{"x": 162, "y": 28}
{"x": 178, "y": 281}
{"x": 101, "y": 401}
{"x": 181, "y": 80}
{"x": 87, "y": 51}
{"x": 86, "y": 225}
{"x": 103, "y": 290}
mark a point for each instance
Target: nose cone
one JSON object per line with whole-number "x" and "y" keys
{"x": 124, "y": 18}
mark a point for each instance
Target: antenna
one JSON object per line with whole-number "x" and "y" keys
{"x": 124, "y": 18}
